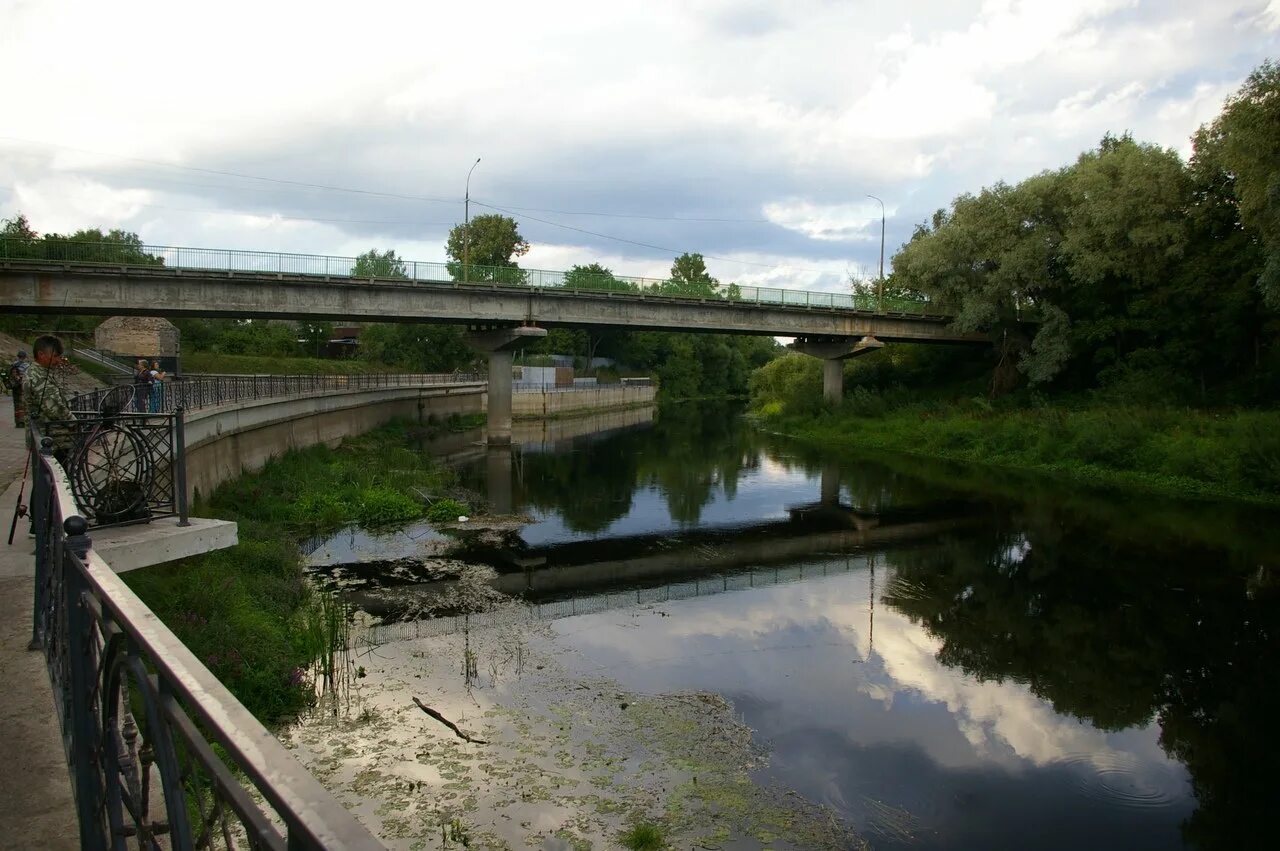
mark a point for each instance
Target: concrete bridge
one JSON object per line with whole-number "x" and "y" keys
{"x": 172, "y": 282}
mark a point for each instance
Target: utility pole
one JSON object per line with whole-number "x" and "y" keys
{"x": 466, "y": 227}
{"x": 880, "y": 282}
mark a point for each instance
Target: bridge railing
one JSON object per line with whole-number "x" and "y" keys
{"x": 161, "y": 754}
{"x": 231, "y": 261}
{"x": 205, "y": 391}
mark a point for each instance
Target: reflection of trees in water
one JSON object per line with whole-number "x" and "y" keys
{"x": 1118, "y": 634}
{"x": 690, "y": 451}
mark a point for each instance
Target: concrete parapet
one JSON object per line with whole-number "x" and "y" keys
{"x": 551, "y": 403}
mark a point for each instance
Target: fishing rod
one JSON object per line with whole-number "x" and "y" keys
{"x": 20, "y": 510}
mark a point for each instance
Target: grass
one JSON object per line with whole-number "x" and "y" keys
{"x": 1232, "y": 454}
{"x": 248, "y": 612}
{"x": 208, "y": 362}
{"x": 643, "y": 837}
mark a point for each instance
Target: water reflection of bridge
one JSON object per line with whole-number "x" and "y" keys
{"x": 563, "y": 579}
{"x": 583, "y": 604}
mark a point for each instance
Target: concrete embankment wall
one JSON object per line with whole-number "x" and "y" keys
{"x": 532, "y": 404}
{"x": 225, "y": 441}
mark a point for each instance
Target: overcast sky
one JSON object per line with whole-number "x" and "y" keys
{"x": 750, "y": 131}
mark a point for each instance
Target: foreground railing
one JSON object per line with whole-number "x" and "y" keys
{"x": 139, "y": 256}
{"x": 210, "y": 390}
{"x": 161, "y": 754}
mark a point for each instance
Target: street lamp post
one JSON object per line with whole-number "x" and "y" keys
{"x": 880, "y": 282}
{"x": 466, "y": 226}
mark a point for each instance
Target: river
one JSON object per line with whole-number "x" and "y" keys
{"x": 834, "y": 649}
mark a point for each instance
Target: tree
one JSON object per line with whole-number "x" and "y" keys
{"x": 1243, "y": 144}
{"x": 379, "y": 264}
{"x": 490, "y": 246}
{"x": 689, "y": 277}
{"x": 593, "y": 276}
{"x": 419, "y": 348}
{"x": 314, "y": 336}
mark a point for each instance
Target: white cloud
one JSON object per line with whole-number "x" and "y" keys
{"x": 705, "y": 109}
{"x": 838, "y": 222}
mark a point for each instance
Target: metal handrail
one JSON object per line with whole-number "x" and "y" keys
{"x": 204, "y": 391}
{"x": 142, "y": 718}
{"x": 137, "y": 256}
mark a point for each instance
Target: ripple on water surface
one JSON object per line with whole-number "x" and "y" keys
{"x": 1118, "y": 780}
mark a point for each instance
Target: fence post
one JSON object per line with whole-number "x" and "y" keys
{"x": 79, "y": 648}
{"x": 179, "y": 461}
{"x": 40, "y": 520}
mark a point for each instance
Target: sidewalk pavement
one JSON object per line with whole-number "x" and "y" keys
{"x": 37, "y": 810}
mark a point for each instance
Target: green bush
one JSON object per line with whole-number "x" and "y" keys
{"x": 791, "y": 384}
{"x": 382, "y": 506}
{"x": 446, "y": 510}
{"x": 320, "y": 510}
{"x": 1259, "y": 454}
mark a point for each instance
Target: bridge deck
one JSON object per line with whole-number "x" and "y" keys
{"x": 163, "y": 291}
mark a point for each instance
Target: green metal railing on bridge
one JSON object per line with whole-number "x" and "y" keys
{"x": 138, "y": 255}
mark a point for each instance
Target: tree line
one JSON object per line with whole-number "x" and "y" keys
{"x": 1140, "y": 271}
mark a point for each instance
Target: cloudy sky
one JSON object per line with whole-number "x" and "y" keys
{"x": 620, "y": 132}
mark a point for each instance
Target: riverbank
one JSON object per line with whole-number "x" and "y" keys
{"x": 1229, "y": 454}
{"x": 248, "y": 612}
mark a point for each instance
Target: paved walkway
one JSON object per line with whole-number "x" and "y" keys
{"x": 36, "y": 807}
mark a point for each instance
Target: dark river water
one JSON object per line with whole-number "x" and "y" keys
{"x": 949, "y": 657}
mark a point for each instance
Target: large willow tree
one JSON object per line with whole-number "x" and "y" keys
{"x": 1137, "y": 268}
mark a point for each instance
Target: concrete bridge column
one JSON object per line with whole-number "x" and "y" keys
{"x": 500, "y": 345}
{"x": 834, "y": 351}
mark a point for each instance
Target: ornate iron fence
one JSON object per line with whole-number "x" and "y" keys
{"x": 121, "y": 467}
{"x": 210, "y": 390}
{"x": 139, "y": 257}
{"x": 161, "y": 754}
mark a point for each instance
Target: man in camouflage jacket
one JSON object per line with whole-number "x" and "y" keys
{"x": 46, "y": 398}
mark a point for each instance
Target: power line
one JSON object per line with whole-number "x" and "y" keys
{"x": 642, "y": 216}
{"x": 401, "y": 196}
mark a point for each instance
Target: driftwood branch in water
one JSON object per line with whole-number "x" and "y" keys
{"x": 445, "y": 721}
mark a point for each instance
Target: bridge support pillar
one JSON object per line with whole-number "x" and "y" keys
{"x": 500, "y": 345}
{"x": 834, "y": 351}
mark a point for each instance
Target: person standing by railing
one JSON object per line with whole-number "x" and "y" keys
{"x": 157, "y": 387}
{"x": 13, "y": 378}
{"x": 141, "y": 385}
{"x": 46, "y": 397}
